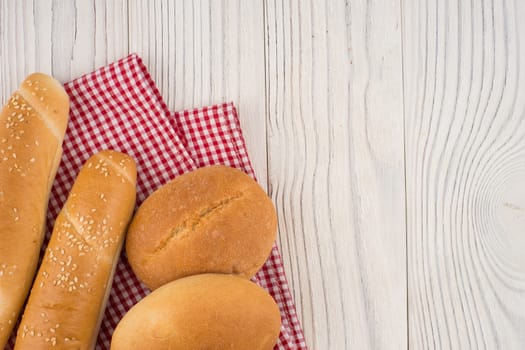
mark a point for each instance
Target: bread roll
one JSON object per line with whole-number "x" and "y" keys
{"x": 214, "y": 219}
{"x": 209, "y": 311}
{"x": 68, "y": 298}
{"x": 32, "y": 128}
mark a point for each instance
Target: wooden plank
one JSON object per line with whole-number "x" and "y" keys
{"x": 205, "y": 52}
{"x": 62, "y": 38}
{"x": 336, "y": 167}
{"x": 465, "y": 160}
{"x": 17, "y": 35}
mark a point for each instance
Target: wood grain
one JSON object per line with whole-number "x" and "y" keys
{"x": 465, "y": 161}
{"x": 336, "y": 167}
{"x": 63, "y": 38}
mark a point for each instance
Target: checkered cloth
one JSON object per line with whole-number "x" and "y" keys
{"x": 119, "y": 107}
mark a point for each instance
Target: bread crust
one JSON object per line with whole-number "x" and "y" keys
{"x": 214, "y": 219}
{"x": 69, "y": 294}
{"x": 209, "y": 311}
{"x": 32, "y": 127}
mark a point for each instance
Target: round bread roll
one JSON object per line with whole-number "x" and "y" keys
{"x": 209, "y": 311}
{"x": 212, "y": 220}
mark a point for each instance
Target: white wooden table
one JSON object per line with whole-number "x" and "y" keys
{"x": 390, "y": 134}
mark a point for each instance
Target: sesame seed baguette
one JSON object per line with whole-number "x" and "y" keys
{"x": 72, "y": 285}
{"x": 32, "y": 127}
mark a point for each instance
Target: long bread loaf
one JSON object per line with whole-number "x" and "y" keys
{"x": 69, "y": 295}
{"x": 32, "y": 128}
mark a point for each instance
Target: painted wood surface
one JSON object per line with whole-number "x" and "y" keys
{"x": 390, "y": 135}
{"x": 336, "y": 167}
{"x": 465, "y": 171}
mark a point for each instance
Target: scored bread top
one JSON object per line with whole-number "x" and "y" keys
{"x": 67, "y": 298}
{"x": 214, "y": 219}
{"x": 48, "y": 96}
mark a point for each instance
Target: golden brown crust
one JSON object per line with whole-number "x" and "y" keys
{"x": 47, "y": 96}
{"x": 29, "y": 156}
{"x": 210, "y": 311}
{"x": 214, "y": 219}
{"x": 67, "y": 297}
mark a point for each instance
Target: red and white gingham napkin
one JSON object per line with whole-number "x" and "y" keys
{"x": 119, "y": 107}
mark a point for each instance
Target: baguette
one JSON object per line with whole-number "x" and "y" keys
{"x": 32, "y": 128}
{"x": 71, "y": 288}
